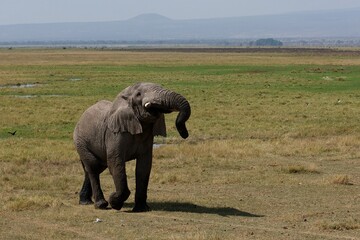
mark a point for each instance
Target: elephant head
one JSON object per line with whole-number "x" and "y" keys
{"x": 144, "y": 103}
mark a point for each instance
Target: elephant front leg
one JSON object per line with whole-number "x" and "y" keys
{"x": 118, "y": 172}
{"x": 143, "y": 169}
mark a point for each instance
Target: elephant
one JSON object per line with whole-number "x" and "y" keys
{"x": 109, "y": 134}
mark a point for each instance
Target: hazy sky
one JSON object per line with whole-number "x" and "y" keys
{"x": 45, "y": 11}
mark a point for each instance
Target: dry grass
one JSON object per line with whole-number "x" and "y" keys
{"x": 257, "y": 118}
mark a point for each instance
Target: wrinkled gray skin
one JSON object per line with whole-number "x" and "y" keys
{"x": 110, "y": 133}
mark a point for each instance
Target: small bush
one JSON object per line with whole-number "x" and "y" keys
{"x": 342, "y": 180}
{"x": 301, "y": 169}
{"x": 341, "y": 226}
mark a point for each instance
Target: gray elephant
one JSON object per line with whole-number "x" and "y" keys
{"x": 109, "y": 134}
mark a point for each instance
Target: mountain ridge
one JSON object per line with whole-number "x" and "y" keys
{"x": 146, "y": 27}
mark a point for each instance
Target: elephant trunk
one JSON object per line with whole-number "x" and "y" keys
{"x": 182, "y": 105}
{"x": 172, "y": 101}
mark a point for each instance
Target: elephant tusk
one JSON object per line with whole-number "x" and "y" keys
{"x": 147, "y": 105}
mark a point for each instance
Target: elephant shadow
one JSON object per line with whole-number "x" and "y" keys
{"x": 193, "y": 208}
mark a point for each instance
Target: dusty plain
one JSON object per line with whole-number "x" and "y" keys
{"x": 273, "y": 151}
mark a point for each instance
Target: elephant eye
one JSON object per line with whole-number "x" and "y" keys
{"x": 138, "y": 94}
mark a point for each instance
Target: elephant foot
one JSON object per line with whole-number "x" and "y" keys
{"x": 141, "y": 208}
{"x": 101, "y": 204}
{"x": 116, "y": 201}
{"x": 86, "y": 202}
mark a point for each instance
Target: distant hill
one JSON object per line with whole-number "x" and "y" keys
{"x": 318, "y": 24}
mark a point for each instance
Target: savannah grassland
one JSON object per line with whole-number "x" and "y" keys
{"x": 273, "y": 151}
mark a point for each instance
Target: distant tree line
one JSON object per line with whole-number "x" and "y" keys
{"x": 267, "y": 42}
{"x": 263, "y": 42}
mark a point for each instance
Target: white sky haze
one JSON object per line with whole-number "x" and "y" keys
{"x": 49, "y": 11}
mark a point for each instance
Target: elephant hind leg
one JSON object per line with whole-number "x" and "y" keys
{"x": 86, "y": 191}
{"x": 100, "y": 201}
{"x": 91, "y": 186}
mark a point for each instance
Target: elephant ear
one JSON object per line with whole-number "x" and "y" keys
{"x": 160, "y": 127}
{"x": 123, "y": 119}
